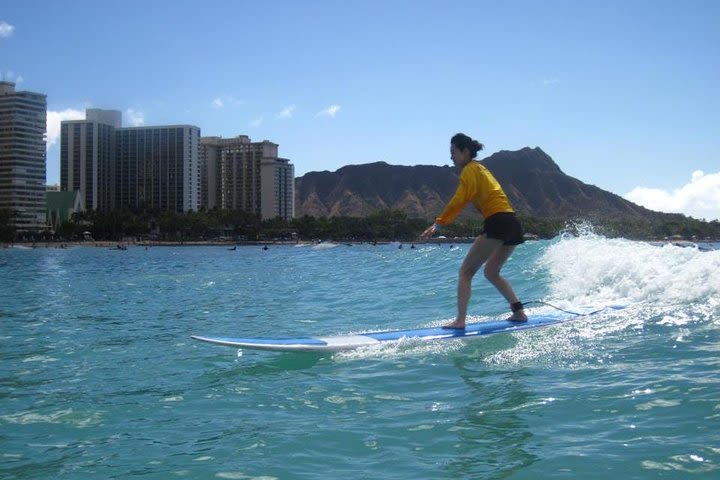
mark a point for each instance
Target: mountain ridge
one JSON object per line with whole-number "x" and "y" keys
{"x": 534, "y": 183}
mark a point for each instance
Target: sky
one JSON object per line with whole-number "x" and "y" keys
{"x": 624, "y": 95}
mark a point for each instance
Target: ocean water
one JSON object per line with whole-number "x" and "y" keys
{"x": 99, "y": 377}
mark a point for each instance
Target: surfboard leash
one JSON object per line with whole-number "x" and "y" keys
{"x": 541, "y": 302}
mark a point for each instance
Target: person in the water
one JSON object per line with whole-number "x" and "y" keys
{"x": 501, "y": 233}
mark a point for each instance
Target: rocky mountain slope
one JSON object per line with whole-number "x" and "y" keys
{"x": 532, "y": 180}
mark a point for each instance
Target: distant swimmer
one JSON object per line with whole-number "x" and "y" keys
{"x": 500, "y": 235}
{"x": 265, "y": 247}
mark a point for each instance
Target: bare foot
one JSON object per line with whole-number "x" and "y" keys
{"x": 518, "y": 316}
{"x": 456, "y": 325}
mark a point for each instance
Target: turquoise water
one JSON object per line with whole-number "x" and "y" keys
{"x": 99, "y": 377}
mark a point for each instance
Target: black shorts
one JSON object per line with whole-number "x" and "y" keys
{"x": 504, "y": 226}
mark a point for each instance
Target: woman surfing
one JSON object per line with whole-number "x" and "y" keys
{"x": 501, "y": 232}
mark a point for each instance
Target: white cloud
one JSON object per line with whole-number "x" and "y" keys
{"x": 225, "y": 101}
{"x": 287, "y": 112}
{"x": 6, "y": 29}
{"x": 11, "y": 77}
{"x": 53, "y": 123}
{"x": 135, "y": 118}
{"x": 330, "y": 111}
{"x": 699, "y": 199}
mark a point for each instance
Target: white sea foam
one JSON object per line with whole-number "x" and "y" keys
{"x": 405, "y": 347}
{"x": 40, "y": 358}
{"x": 673, "y": 285}
{"x": 324, "y": 246}
{"x": 66, "y": 416}
{"x": 591, "y": 269}
{"x": 242, "y": 476}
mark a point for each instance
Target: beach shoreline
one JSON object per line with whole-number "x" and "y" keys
{"x": 121, "y": 245}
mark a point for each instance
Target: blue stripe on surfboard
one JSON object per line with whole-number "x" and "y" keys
{"x": 471, "y": 329}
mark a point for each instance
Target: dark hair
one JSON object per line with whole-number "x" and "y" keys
{"x": 462, "y": 141}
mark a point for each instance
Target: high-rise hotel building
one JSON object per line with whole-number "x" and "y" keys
{"x": 237, "y": 174}
{"x": 87, "y": 157}
{"x": 158, "y": 167}
{"x": 143, "y": 167}
{"x": 23, "y": 156}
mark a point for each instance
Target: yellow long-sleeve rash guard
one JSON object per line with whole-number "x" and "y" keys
{"x": 478, "y": 185}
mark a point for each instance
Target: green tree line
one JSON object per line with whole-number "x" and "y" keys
{"x": 381, "y": 225}
{"x": 7, "y": 230}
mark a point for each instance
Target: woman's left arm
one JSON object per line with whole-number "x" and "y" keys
{"x": 429, "y": 231}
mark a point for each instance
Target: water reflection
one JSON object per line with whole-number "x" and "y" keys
{"x": 493, "y": 438}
